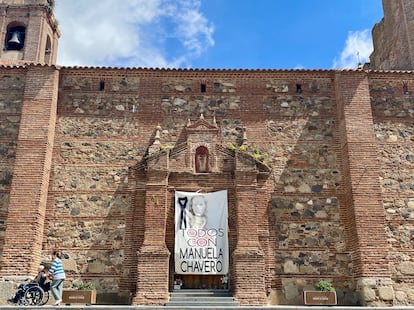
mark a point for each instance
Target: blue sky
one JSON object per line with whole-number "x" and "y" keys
{"x": 220, "y": 34}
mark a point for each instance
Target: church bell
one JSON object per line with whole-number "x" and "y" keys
{"x": 15, "y": 38}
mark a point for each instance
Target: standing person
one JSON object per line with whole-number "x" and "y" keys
{"x": 58, "y": 274}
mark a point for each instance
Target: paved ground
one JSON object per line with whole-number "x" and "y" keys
{"x": 101, "y": 307}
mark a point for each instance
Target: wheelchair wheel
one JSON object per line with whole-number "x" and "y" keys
{"x": 45, "y": 298}
{"x": 22, "y": 302}
{"x": 34, "y": 296}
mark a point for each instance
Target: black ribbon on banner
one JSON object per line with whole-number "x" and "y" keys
{"x": 182, "y": 201}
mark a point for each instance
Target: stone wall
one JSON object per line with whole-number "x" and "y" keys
{"x": 92, "y": 192}
{"x": 106, "y": 124}
{"x": 11, "y": 93}
{"x": 292, "y": 121}
{"x": 392, "y": 104}
{"x": 306, "y": 229}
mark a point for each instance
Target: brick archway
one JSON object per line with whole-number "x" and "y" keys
{"x": 155, "y": 273}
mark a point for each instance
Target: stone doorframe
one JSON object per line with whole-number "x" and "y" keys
{"x": 234, "y": 168}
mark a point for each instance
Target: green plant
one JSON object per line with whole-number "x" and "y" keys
{"x": 165, "y": 147}
{"x": 232, "y": 146}
{"x": 243, "y": 148}
{"x": 259, "y": 157}
{"x": 325, "y": 286}
{"x": 83, "y": 286}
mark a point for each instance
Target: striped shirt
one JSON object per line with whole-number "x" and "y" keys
{"x": 57, "y": 269}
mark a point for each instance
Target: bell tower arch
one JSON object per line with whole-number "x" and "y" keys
{"x": 29, "y": 32}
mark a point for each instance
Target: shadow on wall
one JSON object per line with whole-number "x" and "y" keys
{"x": 11, "y": 91}
{"x": 305, "y": 207}
{"x": 91, "y": 212}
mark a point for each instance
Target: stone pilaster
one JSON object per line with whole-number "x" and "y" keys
{"x": 248, "y": 272}
{"x": 153, "y": 256}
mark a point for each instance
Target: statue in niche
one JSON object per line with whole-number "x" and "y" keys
{"x": 201, "y": 160}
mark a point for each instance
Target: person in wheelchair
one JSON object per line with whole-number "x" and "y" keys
{"x": 40, "y": 280}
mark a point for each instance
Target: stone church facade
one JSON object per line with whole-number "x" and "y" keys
{"x": 318, "y": 166}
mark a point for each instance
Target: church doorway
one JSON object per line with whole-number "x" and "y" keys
{"x": 207, "y": 282}
{"x": 201, "y": 241}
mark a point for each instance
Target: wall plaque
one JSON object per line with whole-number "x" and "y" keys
{"x": 319, "y": 298}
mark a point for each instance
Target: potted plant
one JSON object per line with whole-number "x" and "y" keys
{"x": 80, "y": 293}
{"x": 324, "y": 294}
{"x": 325, "y": 286}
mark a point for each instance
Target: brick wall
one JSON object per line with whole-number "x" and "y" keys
{"x": 12, "y": 87}
{"x": 315, "y": 213}
{"x": 28, "y": 188}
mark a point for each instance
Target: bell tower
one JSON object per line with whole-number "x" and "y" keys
{"x": 393, "y": 37}
{"x": 29, "y": 32}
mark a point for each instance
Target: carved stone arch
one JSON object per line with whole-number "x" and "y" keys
{"x": 196, "y": 145}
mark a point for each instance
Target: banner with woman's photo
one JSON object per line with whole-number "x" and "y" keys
{"x": 201, "y": 236}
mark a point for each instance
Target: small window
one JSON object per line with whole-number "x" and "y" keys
{"x": 298, "y": 88}
{"x": 405, "y": 88}
{"x": 203, "y": 87}
{"x": 102, "y": 85}
{"x": 48, "y": 48}
{"x": 48, "y": 51}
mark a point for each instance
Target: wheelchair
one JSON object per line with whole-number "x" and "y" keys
{"x": 31, "y": 294}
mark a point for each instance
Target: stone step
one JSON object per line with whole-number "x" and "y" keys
{"x": 195, "y": 298}
{"x": 206, "y": 298}
{"x": 204, "y": 304}
{"x": 201, "y": 293}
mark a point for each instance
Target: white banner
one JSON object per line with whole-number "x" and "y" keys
{"x": 201, "y": 237}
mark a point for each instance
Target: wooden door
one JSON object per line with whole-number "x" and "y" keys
{"x": 202, "y": 282}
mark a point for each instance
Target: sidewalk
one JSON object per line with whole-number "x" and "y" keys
{"x": 115, "y": 307}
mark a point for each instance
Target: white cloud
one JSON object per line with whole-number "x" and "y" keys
{"x": 139, "y": 33}
{"x": 358, "y": 45}
{"x": 192, "y": 24}
{"x": 299, "y": 67}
